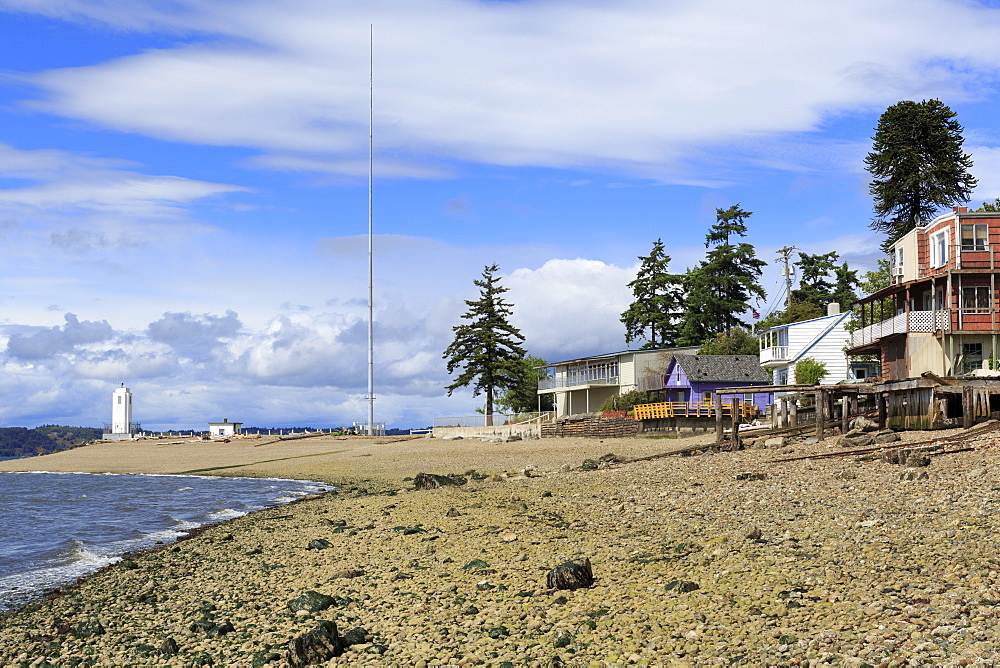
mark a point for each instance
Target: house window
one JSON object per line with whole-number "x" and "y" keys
{"x": 972, "y": 357}
{"x": 896, "y": 260}
{"x": 860, "y": 373}
{"x": 119, "y": 401}
{"x": 681, "y": 395}
{"x": 939, "y": 249}
{"x": 974, "y": 237}
{"x": 706, "y": 396}
{"x": 781, "y": 377}
{"x": 976, "y": 300}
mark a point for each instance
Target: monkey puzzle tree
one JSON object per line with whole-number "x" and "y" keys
{"x": 917, "y": 166}
{"x": 487, "y": 349}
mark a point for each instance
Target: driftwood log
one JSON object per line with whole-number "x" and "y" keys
{"x": 571, "y": 575}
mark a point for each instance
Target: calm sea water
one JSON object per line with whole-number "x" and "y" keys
{"x": 57, "y": 527}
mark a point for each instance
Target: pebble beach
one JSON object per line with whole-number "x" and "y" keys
{"x": 714, "y": 559}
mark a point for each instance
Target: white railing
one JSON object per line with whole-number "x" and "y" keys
{"x": 919, "y": 321}
{"x": 571, "y": 380}
{"x": 773, "y": 354}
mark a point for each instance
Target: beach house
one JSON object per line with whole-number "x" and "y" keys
{"x": 940, "y": 313}
{"x": 581, "y": 385}
{"x": 823, "y": 340}
{"x": 693, "y": 379}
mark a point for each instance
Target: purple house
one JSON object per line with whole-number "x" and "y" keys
{"x": 694, "y": 378}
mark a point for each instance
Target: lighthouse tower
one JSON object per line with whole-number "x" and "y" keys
{"x": 121, "y": 426}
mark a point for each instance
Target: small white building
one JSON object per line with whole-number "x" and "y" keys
{"x": 121, "y": 427}
{"x": 225, "y": 428}
{"x": 823, "y": 339}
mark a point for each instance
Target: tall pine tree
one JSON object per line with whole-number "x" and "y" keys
{"x": 917, "y": 166}
{"x": 487, "y": 349}
{"x": 720, "y": 288}
{"x": 658, "y": 301}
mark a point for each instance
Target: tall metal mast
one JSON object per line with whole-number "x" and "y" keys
{"x": 371, "y": 317}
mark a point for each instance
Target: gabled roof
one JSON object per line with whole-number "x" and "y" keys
{"x": 723, "y": 368}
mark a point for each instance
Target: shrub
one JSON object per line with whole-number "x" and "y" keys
{"x": 625, "y": 402}
{"x": 809, "y": 372}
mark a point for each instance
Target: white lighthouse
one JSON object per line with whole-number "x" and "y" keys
{"x": 121, "y": 427}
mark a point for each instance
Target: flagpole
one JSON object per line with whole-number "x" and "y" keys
{"x": 371, "y": 317}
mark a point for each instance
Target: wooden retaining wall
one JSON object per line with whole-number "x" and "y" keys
{"x": 589, "y": 425}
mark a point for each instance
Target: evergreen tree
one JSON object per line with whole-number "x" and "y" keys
{"x": 917, "y": 166}
{"x": 658, "y": 301}
{"x": 815, "y": 286}
{"x": 844, "y": 287}
{"x": 523, "y": 397}
{"x": 487, "y": 348}
{"x": 722, "y": 285}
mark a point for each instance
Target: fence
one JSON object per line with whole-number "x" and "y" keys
{"x": 706, "y": 409}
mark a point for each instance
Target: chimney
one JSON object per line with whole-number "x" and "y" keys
{"x": 960, "y": 209}
{"x": 226, "y": 420}
{"x": 833, "y": 308}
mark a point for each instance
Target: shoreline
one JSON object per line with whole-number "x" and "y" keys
{"x": 815, "y": 561}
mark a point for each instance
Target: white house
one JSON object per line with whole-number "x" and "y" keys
{"x": 121, "y": 427}
{"x": 822, "y": 339}
{"x": 582, "y": 385}
{"x": 225, "y": 428}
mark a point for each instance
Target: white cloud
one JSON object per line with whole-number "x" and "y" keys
{"x": 632, "y": 86}
{"x": 570, "y": 308}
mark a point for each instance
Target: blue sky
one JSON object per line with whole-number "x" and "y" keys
{"x": 183, "y": 184}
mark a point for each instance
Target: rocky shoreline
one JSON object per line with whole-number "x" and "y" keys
{"x": 805, "y": 562}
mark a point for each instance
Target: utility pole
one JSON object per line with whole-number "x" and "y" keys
{"x": 783, "y": 255}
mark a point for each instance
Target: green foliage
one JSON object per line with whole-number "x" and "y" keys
{"x": 822, "y": 282}
{"x": 21, "y": 442}
{"x": 625, "y": 402}
{"x": 797, "y": 312}
{"x": 989, "y": 207}
{"x": 809, "y": 372}
{"x": 917, "y": 166}
{"x": 658, "y": 301}
{"x": 738, "y": 341}
{"x": 487, "y": 349}
{"x": 720, "y": 288}
{"x": 524, "y": 397}
{"x": 815, "y": 286}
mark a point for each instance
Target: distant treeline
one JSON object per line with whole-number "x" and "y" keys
{"x": 21, "y": 442}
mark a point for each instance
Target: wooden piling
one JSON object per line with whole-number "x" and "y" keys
{"x": 793, "y": 411}
{"x": 719, "y": 431}
{"x": 883, "y": 411}
{"x": 820, "y": 413}
{"x": 737, "y": 445}
{"x": 968, "y": 406}
{"x": 784, "y": 412}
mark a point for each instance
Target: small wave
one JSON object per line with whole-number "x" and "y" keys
{"x": 225, "y": 514}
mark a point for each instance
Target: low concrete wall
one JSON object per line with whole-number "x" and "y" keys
{"x": 500, "y": 431}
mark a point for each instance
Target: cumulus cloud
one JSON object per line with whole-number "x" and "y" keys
{"x": 42, "y": 343}
{"x": 571, "y": 308}
{"x": 195, "y": 337}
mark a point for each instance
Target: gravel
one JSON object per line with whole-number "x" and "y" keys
{"x": 814, "y": 562}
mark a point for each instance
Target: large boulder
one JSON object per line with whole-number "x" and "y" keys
{"x": 315, "y": 647}
{"x": 571, "y": 575}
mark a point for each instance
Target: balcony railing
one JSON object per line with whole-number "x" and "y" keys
{"x": 773, "y": 354}
{"x": 914, "y": 321}
{"x": 574, "y": 379}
